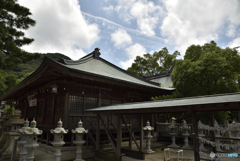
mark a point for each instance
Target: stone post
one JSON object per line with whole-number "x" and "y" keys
{"x": 79, "y": 131}
{"x": 58, "y": 142}
{"x": 185, "y": 133}
{"x": 15, "y": 122}
{"x": 217, "y": 134}
{"x": 31, "y": 143}
{"x": 23, "y": 140}
{"x": 235, "y": 135}
{"x": 173, "y": 133}
{"x": 201, "y": 134}
{"x": 148, "y": 137}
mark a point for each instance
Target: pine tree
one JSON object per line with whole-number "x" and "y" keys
{"x": 14, "y": 19}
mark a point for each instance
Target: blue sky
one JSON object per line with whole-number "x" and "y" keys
{"x": 124, "y": 29}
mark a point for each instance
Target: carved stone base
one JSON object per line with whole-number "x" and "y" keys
{"x": 149, "y": 151}
{"x": 174, "y": 146}
{"x": 187, "y": 147}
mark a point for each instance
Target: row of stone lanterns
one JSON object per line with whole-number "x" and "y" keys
{"x": 185, "y": 133}
{"x": 236, "y": 135}
{"x": 28, "y": 142}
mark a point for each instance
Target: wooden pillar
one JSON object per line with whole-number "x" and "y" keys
{"x": 141, "y": 132}
{"x": 130, "y": 136}
{"x": 98, "y": 133}
{"x": 99, "y": 98}
{"x": 119, "y": 134}
{"x": 54, "y": 110}
{"x": 212, "y": 133}
{"x": 66, "y": 107}
{"x": 195, "y": 136}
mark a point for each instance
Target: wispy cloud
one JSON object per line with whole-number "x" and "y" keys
{"x": 135, "y": 31}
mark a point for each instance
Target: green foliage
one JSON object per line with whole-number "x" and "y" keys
{"x": 164, "y": 97}
{"x": 6, "y": 82}
{"x": 206, "y": 70}
{"x": 219, "y": 116}
{"x": 153, "y": 64}
{"x": 31, "y": 66}
{"x": 9, "y": 109}
{"x": 13, "y": 20}
{"x": 10, "y": 78}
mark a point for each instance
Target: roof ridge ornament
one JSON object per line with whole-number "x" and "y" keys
{"x": 96, "y": 53}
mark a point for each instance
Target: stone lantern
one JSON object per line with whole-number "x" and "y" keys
{"x": 173, "y": 133}
{"x": 58, "y": 142}
{"x": 3, "y": 120}
{"x": 4, "y": 128}
{"x": 79, "y": 131}
{"x": 15, "y": 122}
{"x": 23, "y": 140}
{"x": 235, "y": 135}
{"x": 185, "y": 133}
{"x": 217, "y": 134}
{"x": 148, "y": 137}
{"x": 31, "y": 142}
{"x": 201, "y": 134}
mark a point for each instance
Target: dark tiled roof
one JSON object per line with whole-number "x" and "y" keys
{"x": 189, "y": 101}
{"x": 101, "y": 67}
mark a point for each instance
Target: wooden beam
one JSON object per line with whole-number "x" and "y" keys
{"x": 195, "y": 136}
{"x": 212, "y": 132}
{"x": 110, "y": 138}
{"x": 119, "y": 135}
{"x": 65, "y": 120}
{"x": 131, "y": 135}
{"x": 98, "y": 132}
{"x": 141, "y": 132}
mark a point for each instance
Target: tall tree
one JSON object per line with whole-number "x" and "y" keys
{"x": 13, "y": 20}
{"x": 156, "y": 63}
{"x": 206, "y": 70}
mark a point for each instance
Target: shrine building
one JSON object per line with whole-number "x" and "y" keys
{"x": 65, "y": 89}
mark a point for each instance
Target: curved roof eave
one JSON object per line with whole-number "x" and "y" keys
{"x": 48, "y": 62}
{"x": 29, "y": 79}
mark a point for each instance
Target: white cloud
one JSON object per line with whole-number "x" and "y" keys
{"x": 60, "y": 28}
{"x": 197, "y": 22}
{"x": 235, "y": 43}
{"x": 121, "y": 38}
{"x": 132, "y": 52}
{"x": 109, "y": 9}
{"x": 146, "y": 13}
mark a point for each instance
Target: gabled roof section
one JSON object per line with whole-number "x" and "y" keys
{"x": 94, "y": 64}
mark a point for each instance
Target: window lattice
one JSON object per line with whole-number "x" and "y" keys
{"x": 105, "y": 102}
{"x": 90, "y": 102}
{"x": 115, "y": 102}
{"x": 75, "y": 104}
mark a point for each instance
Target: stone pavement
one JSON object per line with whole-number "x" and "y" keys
{"x": 158, "y": 147}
